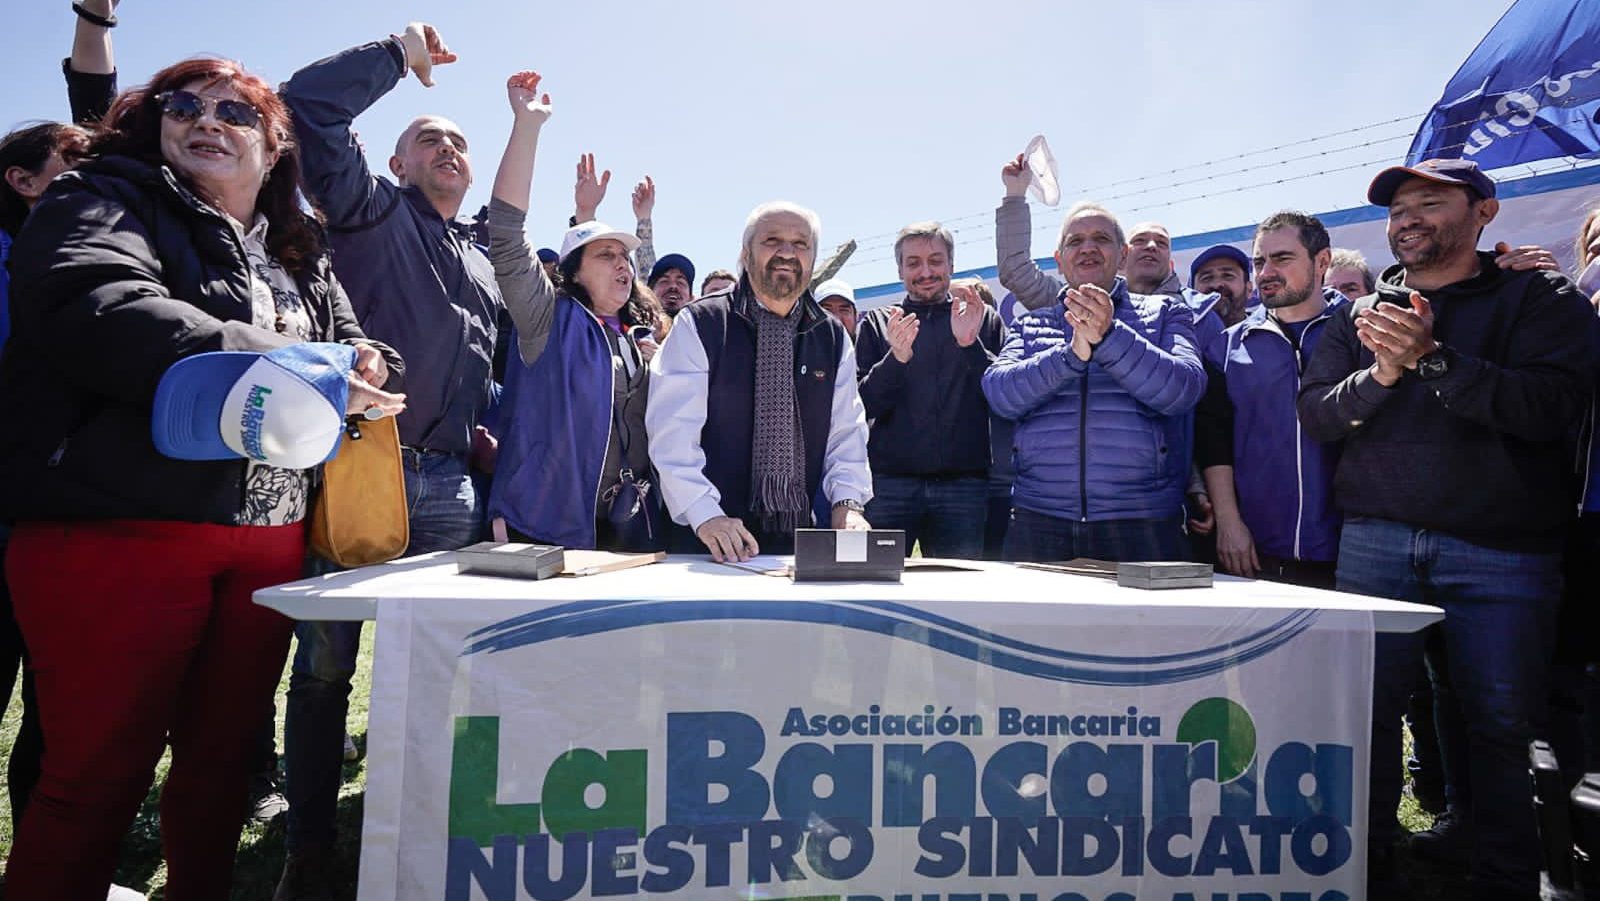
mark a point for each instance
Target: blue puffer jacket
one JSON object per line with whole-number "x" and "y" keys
{"x": 1283, "y": 478}
{"x": 1102, "y": 439}
{"x": 555, "y": 424}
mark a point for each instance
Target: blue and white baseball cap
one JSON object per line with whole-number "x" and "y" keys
{"x": 284, "y": 408}
{"x": 595, "y": 230}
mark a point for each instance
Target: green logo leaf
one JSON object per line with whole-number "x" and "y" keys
{"x": 1230, "y": 726}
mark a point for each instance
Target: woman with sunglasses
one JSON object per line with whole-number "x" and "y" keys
{"x": 580, "y": 372}
{"x": 131, "y": 573}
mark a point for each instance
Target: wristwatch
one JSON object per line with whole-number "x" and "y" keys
{"x": 851, "y": 504}
{"x": 1434, "y": 363}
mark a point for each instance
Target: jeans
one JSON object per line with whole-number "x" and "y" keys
{"x": 997, "y": 523}
{"x": 946, "y": 515}
{"x": 446, "y": 514}
{"x": 1424, "y": 713}
{"x": 1036, "y": 538}
{"x": 1497, "y": 637}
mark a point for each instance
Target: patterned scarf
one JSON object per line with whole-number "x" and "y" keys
{"x": 777, "y": 472}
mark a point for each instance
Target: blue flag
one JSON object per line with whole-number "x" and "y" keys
{"x": 1530, "y": 91}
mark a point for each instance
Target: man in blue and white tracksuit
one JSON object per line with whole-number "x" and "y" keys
{"x": 1271, "y": 485}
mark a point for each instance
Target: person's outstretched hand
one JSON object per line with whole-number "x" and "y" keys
{"x": 527, "y": 104}
{"x": 424, "y": 50}
{"x": 589, "y": 191}
{"x": 644, "y": 198}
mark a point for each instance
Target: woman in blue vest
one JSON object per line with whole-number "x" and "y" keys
{"x": 573, "y": 467}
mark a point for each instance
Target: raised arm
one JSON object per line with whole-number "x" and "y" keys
{"x": 644, "y": 204}
{"x": 530, "y": 298}
{"x": 325, "y": 99}
{"x": 1013, "y": 243}
{"x": 91, "y": 70}
{"x": 589, "y": 190}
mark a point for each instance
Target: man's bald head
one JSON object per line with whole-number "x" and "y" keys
{"x": 1148, "y": 262}
{"x": 432, "y": 154}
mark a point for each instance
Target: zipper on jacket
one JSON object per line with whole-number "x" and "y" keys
{"x": 1083, "y": 449}
{"x": 1299, "y": 433}
{"x": 1299, "y": 477}
{"x": 1299, "y": 448}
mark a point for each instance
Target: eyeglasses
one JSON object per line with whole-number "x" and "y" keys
{"x": 187, "y": 106}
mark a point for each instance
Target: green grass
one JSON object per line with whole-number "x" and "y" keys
{"x": 260, "y": 850}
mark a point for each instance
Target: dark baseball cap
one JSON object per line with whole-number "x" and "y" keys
{"x": 1224, "y": 251}
{"x": 547, "y": 255}
{"x": 672, "y": 261}
{"x": 1446, "y": 172}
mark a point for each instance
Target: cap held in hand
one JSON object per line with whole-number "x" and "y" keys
{"x": 284, "y": 408}
{"x": 1045, "y": 183}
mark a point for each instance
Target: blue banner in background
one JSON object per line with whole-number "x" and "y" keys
{"x": 1530, "y": 91}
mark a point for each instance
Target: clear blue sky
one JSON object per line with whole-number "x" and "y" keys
{"x": 876, "y": 114}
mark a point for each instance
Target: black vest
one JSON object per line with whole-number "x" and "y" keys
{"x": 727, "y": 330}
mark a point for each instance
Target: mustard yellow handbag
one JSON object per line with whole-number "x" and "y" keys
{"x": 360, "y": 515}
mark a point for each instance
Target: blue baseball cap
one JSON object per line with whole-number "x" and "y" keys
{"x": 672, "y": 261}
{"x": 1223, "y": 251}
{"x": 284, "y": 408}
{"x": 546, "y": 255}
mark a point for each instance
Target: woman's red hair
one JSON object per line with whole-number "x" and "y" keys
{"x": 133, "y": 128}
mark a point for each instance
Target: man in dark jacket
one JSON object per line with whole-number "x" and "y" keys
{"x": 753, "y": 403}
{"x": 1454, "y": 388}
{"x": 921, "y": 365}
{"x": 1270, "y": 485}
{"x": 417, "y": 281}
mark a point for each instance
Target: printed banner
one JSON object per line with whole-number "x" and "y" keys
{"x": 866, "y": 751}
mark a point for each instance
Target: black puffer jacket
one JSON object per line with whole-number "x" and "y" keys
{"x": 119, "y": 272}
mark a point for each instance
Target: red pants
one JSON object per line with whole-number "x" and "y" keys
{"x": 141, "y": 633}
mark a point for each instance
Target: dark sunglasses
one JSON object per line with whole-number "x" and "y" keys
{"x": 187, "y": 106}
